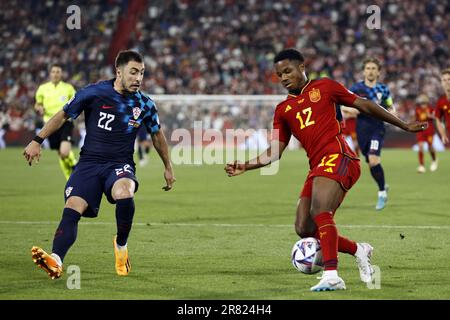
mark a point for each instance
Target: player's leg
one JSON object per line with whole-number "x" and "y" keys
{"x": 123, "y": 192}
{"x": 305, "y": 226}
{"x": 66, "y": 233}
{"x": 55, "y": 142}
{"x": 421, "y": 167}
{"x": 64, "y": 238}
{"x": 120, "y": 186}
{"x": 355, "y": 144}
{"x": 434, "y": 161}
{"x": 82, "y": 195}
{"x": 376, "y": 170}
{"x": 326, "y": 196}
{"x": 66, "y": 155}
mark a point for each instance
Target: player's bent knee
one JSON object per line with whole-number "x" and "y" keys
{"x": 76, "y": 203}
{"x": 123, "y": 189}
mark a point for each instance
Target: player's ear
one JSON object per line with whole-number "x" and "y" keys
{"x": 118, "y": 72}
{"x": 301, "y": 67}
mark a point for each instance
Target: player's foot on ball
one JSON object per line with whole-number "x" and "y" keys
{"x": 421, "y": 169}
{"x": 434, "y": 166}
{"x": 329, "y": 284}
{"x": 363, "y": 255}
{"x": 47, "y": 262}
{"x": 123, "y": 266}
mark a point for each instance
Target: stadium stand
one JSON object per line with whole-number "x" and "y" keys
{"x": 193, "y": 47}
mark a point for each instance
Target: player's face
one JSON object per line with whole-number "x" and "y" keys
{"x": 371, "y": 71}
{"x": 291, "y": 74}
{"x": 131, "y": 76}
{"x": 445, "y": 81}
{"x": 55, "y": 74}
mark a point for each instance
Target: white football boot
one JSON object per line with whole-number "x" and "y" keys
{"x": 363, "y": 255}
{"x": 434, "y": 166}
{"x": 421, "y": 169}
{"x": 329, "y": 283}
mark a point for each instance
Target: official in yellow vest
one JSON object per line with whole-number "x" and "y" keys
{"x": 50, "y": 98}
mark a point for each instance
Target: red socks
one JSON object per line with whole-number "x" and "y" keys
{"x": 344, "y": 245}
{"x": 421, "y": 158}
{"x": 328, "y": 236}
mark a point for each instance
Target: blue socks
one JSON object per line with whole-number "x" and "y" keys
{"x": 378, "y": 174}
{"x": 66, "y": 233}
{"x": 124, "y": 219}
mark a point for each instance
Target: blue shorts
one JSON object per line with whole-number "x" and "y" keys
{"x": 142, "y": 134}
{"x": 90, "y": 180}
{"x": 370, "y": 144}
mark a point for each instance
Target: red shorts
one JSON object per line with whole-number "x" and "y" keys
{"x": 424, "y": 137}
{"x": 340, "y": 168}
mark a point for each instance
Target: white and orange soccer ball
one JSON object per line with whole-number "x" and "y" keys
{"x": 306, "y": 256}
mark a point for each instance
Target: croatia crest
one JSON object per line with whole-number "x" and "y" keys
{"x": 379, "y": 96}
{"x": 136, "y": 112}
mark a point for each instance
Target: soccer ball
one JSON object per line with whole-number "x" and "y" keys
{"x": 306, "y": 256}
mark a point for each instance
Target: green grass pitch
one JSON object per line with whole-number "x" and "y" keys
{"x": 215, "y": 237}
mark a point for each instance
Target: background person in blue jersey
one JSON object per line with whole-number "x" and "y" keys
{"x": 370, "y": 131}
{"x": 114, "y": 111}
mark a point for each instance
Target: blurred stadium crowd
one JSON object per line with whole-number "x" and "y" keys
{"x": 224, "y": 47}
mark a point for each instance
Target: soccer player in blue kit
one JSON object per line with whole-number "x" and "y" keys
{"x": 370, "y": 131}
{"x": 114, "y": 111}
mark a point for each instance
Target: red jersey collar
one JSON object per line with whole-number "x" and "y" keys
{"x": 303, "y": 89}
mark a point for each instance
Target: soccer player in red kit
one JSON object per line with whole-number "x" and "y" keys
{"x": 443, "y": 107}
{"x": 309, "y": 113}
{"x": 424, "y": 112}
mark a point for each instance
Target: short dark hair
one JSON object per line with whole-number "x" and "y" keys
{"x": 290, "y": 54}
{"x": 125, "y": 56}
{"x": 445, "y": 71}
{"x": 372, "y": 60}
{"x": 55, "y": 65}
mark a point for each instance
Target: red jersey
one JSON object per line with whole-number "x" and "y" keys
{"x": 443, "y": 110}
{"x": 426, "y": 114}
{"x": 311, "y": 118}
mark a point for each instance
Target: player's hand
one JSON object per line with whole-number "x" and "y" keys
{"x": 234, "y": 169}
{"x": 170, "y": 179}
{"x": 416, "y": 126}
{"x": 32, "y": 152}
{"x": 444, "y": 139}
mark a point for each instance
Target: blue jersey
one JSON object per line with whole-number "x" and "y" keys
{"x": 379, "y": 94}
{"x": 112, "y": 121}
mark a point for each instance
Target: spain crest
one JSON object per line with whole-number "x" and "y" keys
{"x": 136, "y": 112}
{"x": 314, "y": 95}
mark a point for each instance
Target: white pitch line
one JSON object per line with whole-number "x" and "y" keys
{"x": 227, "y": 225}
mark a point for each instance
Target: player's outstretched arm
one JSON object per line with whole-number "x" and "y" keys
{"x": 271, "y": 154}
{"x": 374, "y": 110}
{"x": 160, "y": 144}
{"x": 33, "y": 149}
{"x": 442, "y": 132}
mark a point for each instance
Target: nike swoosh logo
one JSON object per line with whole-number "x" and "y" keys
{"x": 106, "y": 107}
{"x": 333, "y": 284}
